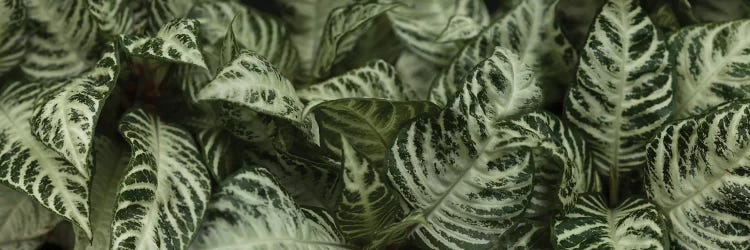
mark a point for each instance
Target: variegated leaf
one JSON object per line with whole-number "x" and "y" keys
{"x": 526, "y": 234}
{"x": 29, "y": 166}
{"x": 22, "y": 219}
{"x": 710, "y": 65}
{"x": 367, "y": 204}
{"x": 698, "y": 174}
{"x": 623, "y": 93}
{"x": 417, "y": 73}
{"x": 370, "y": 125}
{"x": 377, "y": 79}
{"x": 175, "y": 42}
{"x": 252, "y": 211}
{"x": 165, "y": 189}
{"x": 230, "y": 47}
{"x": 344, "y": 27}
{"x": 65, "y": 117}
{"x": 715, "y": 11}
{"x": 13, "y": 34}
{"x": 61, "y": 46}
{"x": 420, "y": 23}
{"x": 249, "y": 85}
{"x": 530, "y": 31}
{"x": 116, "y": 17}
{"x": 110, "y": 163}
{"x": 161, "y": 12}
{"x": 216, "y": 149}
{"x": 460, "y": 28}
{"x": 634, "y": 224}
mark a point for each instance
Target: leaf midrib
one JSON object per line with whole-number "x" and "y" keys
{"x": 254, "y": 242}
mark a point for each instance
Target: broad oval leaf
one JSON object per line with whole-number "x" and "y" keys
{"x": 165, "y": 189}
{"x": 530, "y": 30}
{"x": 634, "y": 224}
{"x": 21, "y": 218}
{"x": 65, "y": 117}
{"x": 29, "y": 166}
{"x": 710, "y": 64}
{"x": 252, "y": 211}
{"x": 623, "y": 93}
{"x": 698, "y": 175}
{"x": 13, "y": 34}
{"x": 175, "y": 42}
{"x": 419, "y": 24}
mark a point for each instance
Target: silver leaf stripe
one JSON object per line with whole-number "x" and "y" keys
{"x": 13, "y": 34}
{"x": 460, "y": 28}
{"x": 29, "y": 166}
{"x": 526, "y": 234}
{"x": 115, "y": 17}
{"x": 21, "y": 218}
{"x": 699, "y": 176}
{"x": 367, "y": 204}
{"x": 344, "y": 27}
{"x": 634, "y": 224}
{"x": 530, "y": 30}
{"x": 175, "y": 42}
{"x": 252, "y": 211}
{"x": 216, "y": 149}
{"x": 624, "y": 89}
{"x": 65, "y": 117}
{"x": 161, "y": 12}
{"x": 420, "y": 23}
{"x": 710, "y": 64}
{"x": 165, "y": 190}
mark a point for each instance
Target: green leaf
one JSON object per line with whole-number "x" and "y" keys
{"x": 115, "y": 17}
{"x": 634, "y": 224}
{"x": 710, "y": 64}
{"x": 250, "y": 84}
{"x": 420, "y": 23}
{"x": 22, "y": 219}
{"x": 161, "y": 12}
{"x": 216, "y": 149}
{"x": 367, "y": 204}
{"x": 418, "y": 73}
{"x": 32, "y": 244}
{"x": 65, "y": 116}
{"x": 29, "y": 166}
{"x": 623, "y": 93}
{"x": 526, "y": 234}
{"x": 698, "y": 175}
{"x": 530, "y": 30}
{"x": 460, "y": 28}
{"x": 230, "y": 47}
{"x": 165, "y": 189}
{"x": 344, "y": 27}
{"x": 370, "y": 125}
{"x": 110, "y": 163}
{"x": 252, "y": 211}
{"x": 175, "y": 42}
{"x": 13, "y": 34}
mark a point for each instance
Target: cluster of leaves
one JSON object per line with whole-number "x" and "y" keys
{"x": 322, "y": 124}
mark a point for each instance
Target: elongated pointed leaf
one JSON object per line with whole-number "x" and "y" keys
{"x": 252, "y": 211}
{"x": 530, "y": 30}
{"x": 420, "y": 23}
{"x": 22, "y": 219}
{"x": 368, "y": 205}
{"x": 13, "y": 34}
{"x": 710, "y": 65}
{"x": 634, "y": 224}
{"x": 624, "y": 90}
{"x": 64, "y": 118}
{"x": 175, "y": 42}
{"x": 165, "y": 189}
{"x": 29, "y": 166}
{"x": 698, "y": 175}
{"x": 344, "y": 27}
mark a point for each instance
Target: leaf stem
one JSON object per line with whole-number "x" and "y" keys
{"x": 614, "y": 186}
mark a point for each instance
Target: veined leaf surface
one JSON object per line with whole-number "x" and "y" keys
{"x": 22, "y": 219}
{"x": 252, "y": 211}
{"x": 13, "y": 34}
{"x": 698, "y": 175}
{"x": 175, "y": 42}
{"x": 165, "y": 189}
{"x": 115, "y": 17}
{"x": 634, "y": 224}
{"x": 162, "y": 12}
{"x": 623, "y": 93}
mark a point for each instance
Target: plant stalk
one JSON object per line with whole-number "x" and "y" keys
{"x": 614, "y": 186}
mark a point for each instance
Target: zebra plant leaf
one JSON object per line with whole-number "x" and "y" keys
{"x": 116, "y": 17}
{"x": 65, "y": 117}
{"x": 252, "y": 211}
{"x": 344, "y": 27}
{"x": 623, "y": 93}
{"x": 22, "y": 218}
{"x": 165, "y": 189}
{"x": 710, "y": 65}
{"x": 459, "y": 28}
{"x": 370, "y": 125}
{"x": 13, "y": 34}
{"x": 527, "y": 234}
{"x": 175, "y": 42}
{"x": 420, "y": 23}
{"x": 530, "y": 31}
{"x": 367, "y": 204}
{"x": 251, "y": 84}
{"x": 161, "y": 12}
{"x": 634, "y": 224}
{"x": 216, "y": 149}
{"x": 698, "y": 175}
{"x": 29, "y": 166}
